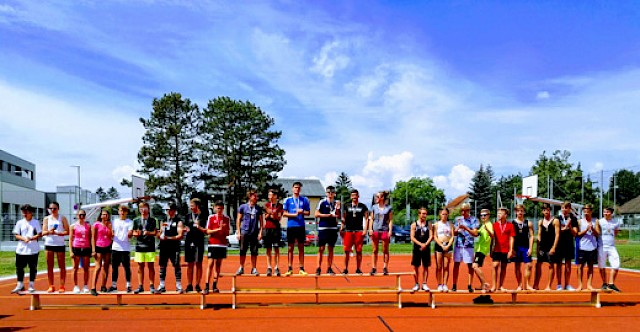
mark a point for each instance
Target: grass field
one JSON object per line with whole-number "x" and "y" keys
{"x": 629, "y": 255}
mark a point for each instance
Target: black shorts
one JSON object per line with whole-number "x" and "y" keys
{"x": 271, "y": 237}
{"x": 103, "y": 250}
{"x": 327, "y": 237}
{"x": 545, "y": 257}
{"x": 565, "y": 251}
{"x": 249, "y": 242}
{"x": 500, "y": 257}
{"x": 81, "y": 252}
{"x": 217, "y": 252}
{"x": 55, "y": 248}
{"x": 295, "y": 234}
{"x": 193, "y": 252}
{"x": 479, "y": 258}
{"x": 438, "y": 248}
{"x": 421, "y": 257}
{"x": 588, "y": 257}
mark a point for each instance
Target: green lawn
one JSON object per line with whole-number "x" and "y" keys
{"x": 629, "y": 255}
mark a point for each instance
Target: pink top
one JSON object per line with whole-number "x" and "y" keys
{"x": 103, "y": 238}
{"x": 81, "y": 235}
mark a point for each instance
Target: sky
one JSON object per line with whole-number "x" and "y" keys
{"x": 382, "y": 90}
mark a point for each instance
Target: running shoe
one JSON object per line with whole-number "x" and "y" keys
{"x": 112, "y": 290}
{"x": 318, "y": 271}
{"x": 85, "y": 289}
{"x": 330, "y": 272}
{"x": 198, "y": 289}
{"x": 61, "y": 289}
{"x": 254, "y": 272}
{"x": 161, "y": 290}
{"x": 94, "y": 292}
{"x": 559, "y": 287}
{"x": 385, "y": 271}
{"x": 454, "y": 288}
{"x": 240, "y": 271}
{"x": 358, "y": 272}
{"x": 129, "y": 290}
{"x": 445, "y": 288}
{"x": 425, "y": 287}
{"x": 345, "y": 271}
{"x": 103, "y": 289}
{"x": 179, "y": 290}
{"x": 277, "y": 272}
{"x": 302, "y": 272}
{"x": 31, "y": 289}
{"x": 569, "y": 288}
{"x": 289, "y": 273}
{"x": 138, "y": 290}
{"x": 470, "y": 289}
{"x": 152, "y": 289}
{"x": 439, "y": 288}
{"x": 415, "y": 288}
{"x": 51, "y": 289}
{"x": 605, "y": 287}
{"x": 76, "y": 290}
{"x": 614, "y": 288}
{"x": 189, "y": 289}
{"x": 268, "y": 272}
{"x": 17, "y": 289}
{"x": 205, "y": 291}
{"x": 373, "y": 271}
{"x": 215, "y": 290}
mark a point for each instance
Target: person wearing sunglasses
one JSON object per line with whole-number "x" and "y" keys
{"x": 80, "y": 242}
{"x": 55, "y": 227}
{"x": 482, "y": 247}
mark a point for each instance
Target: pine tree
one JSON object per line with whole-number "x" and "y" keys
{"x": 343, "y": 188}
{"x": 481, "y": 188}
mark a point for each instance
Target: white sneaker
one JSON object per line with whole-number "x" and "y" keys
{"x": 445, "y": 288}
{"x": 440, "y": 288}
{"x": 31, "y": 289}
{"x": 416, "y": 288}
{"x": 76, "y": 290}
{"x": 559, "y": 287}
{"x": 425, "y": 287}
{"x": 85, "y": 289}
{"x": 569, "y": 288}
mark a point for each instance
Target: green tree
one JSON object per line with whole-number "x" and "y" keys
{"x": 113, "y": 193}
{"x": 240, "y": 149}
{"x": 418, "y": 192}
{"x": 481, "y": 190}
{"x": 560, "y": 180}
{"x": 628, "y": 186}
{"x": 102, "y": 196}
{"x": 343, "y": 188}
{"x": 507, "y": 185}
{"x": 168, "y": 157}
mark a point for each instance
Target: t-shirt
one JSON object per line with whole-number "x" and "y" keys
{"x": 381, "y": 217}
{"x": 608, "y": 230}
{"x": 270, "y": 222}
{"x": 194, "y": 235}
{"x": 502, "y": 234}
{"x": 145, "y": 243}
{"x": 326, "y": 207}
{"x": 219, "y": 238}
{"x": 464, "y": 239}
{"x": 121, "y": 230}
{"x": 483, "y": 245}
{"x": 26, "y": 228}
{"x": 588, "y": 241}
{"x": 354, "y": 216}
{"x": 249, "y": 221}
{"x": 291, "y": 205}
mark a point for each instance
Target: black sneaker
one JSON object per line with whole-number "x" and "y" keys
{"x": 129, "y": 290}
{"x": 454, "y": 288}
{"x": 277, "y": 272}
{"x": 345, "y": 271}
{"x": 189, "y": 288}
{"x": 215, "y": 290}
{"x": 614, "y": 288}
{"x": 358, "y": 272}
{"x": 605, "y": 287}
{"x": 94, "y": 292}
{"x": 268, "y": 272}
{"x": 112, "y": 290}
{"x": 138, "y": 290}
{"x": 205, "y": 291}
{"x": 198, "y": 289}
{"x": 318, "y": 271}
{"x": 161, "y": 290}
{"x": 330, "y": 272}
{"x": 470, "y": 289}
{"x": 385, "y": 271}
{"x": 373, "y": 271}
{"x": 152, "y": 289}
{"x": 103, "y": 289}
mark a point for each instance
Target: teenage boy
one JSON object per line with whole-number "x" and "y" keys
{"x": 327, "y": 212}
{"x": 483, "y": 246}
{"x": 353, "y": 230}
{"x": 568, "y": 230}
{"x": 523, "y": 246}
{"x": 27, "y": 231}
{"x": 296, "y": 208}
{"x": 465, "y": 230}
{"x": 421, "y": 236}
{"x": 548, "y": 237}
{"x": 120, "y": 248}
{"x": 609, "y": 229}
{"x": 249, "y": 224}
{"x": 218, "y": 227}
{"x": 145, "y": 230}
{"x": 588, "y": 233}
{"x": 170, "y": 236}
{"x": 272, "y": 232}
{"x": 502, "y": 250}
{"x": 194, "y": 243}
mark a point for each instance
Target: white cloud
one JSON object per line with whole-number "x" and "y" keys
{"x": 456, "y": 182}
{"x": 329, "y": 60}
{"x": 542, "y": 95}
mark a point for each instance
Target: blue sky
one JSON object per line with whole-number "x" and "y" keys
{"x": 383, "y": 90}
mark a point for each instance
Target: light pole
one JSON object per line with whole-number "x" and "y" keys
{"x": 79, "y": 190}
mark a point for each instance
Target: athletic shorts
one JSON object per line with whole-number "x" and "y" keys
{"x": 588, "y": 256}
{"x": 271, "y": 237}
{"x": 352, "y": 238}
{"x": 327, "y": 237}
{"x": 546, "y": 257}
{"x": 438, "y": 248}
{"x": 103, "y": 250}
{"x": 217, "y": 252}
{"x": 479, "y": 259}
{"x": 565, "y": 251}
{"x": 376, "y": 236}
{"x": 421, "y": 257}
{"x": 461, "y": 254}
{"x": 521, "y": 255}
{"x": 81, "y": 252}
{"x": 249, "y": 242}
{"x": 145, "y": 257}
{"x": 295, "y": 234}
{"x": 500, "y": 257}
{"x": 193, "y": 252}
{"x": 55, "y": 248}
{"x": 610, "y": 254}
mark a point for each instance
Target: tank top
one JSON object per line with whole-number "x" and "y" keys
{"x": 103, "y": 239}
{"x": 547, "y": 236}
{"x": 588, "y": 241}
{"x": 522, "y": 234}
{"x": 170, "y": 229}
{"x": 421, "y": 234}
{"x": 443, "y": 230}
{"x": 81, "y": 235}
{"x": 54, "y": 240}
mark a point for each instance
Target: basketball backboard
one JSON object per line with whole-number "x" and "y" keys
{"x": 138, "y": 188}
{"x": 530, "y": 186}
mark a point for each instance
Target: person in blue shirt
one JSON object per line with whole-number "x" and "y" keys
{"x": 249, "y": 224}
{"x": 296, "y": 208}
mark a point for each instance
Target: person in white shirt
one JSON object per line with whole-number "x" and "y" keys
{"x": 121, "y": 249}
{"x": 54, "y": 229}
{"x": 609, "y": 229}
{"x": 27, "y": 231}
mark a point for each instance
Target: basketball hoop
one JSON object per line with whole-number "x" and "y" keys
{"x": 520, "y": 198}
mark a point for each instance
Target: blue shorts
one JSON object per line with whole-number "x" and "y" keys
{"x": 521, "y": 255}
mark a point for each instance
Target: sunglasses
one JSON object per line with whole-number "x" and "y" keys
{"x": 82, "y": 215}
{"x": 483, "y": 215}
{"x": 53, "y": 208}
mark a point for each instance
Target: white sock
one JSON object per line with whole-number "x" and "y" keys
{"x": 128, "y": 283}
{"x": 114, "y": 284}
{"x": 161, "y": 283}
{"x": 31, "y": 284}
{"x": 20, "y": 284}
{"x": 178, "y": 284}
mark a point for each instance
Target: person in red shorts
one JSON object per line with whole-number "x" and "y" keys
{"x": 353, "y": 230}
{"x": 503, "y": 248}
{"x": 217, "y": 230}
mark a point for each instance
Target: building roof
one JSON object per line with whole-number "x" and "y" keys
{"x": 630, "y": 207}
{"x": 456, "y": 202}
{"x": 310, "y": 187}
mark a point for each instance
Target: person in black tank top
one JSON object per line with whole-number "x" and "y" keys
{"x": 421, "y": 236}
{"x": 523, "y": 245}
{"x": 548, "y": 237}
{"x": 171, "y": 232}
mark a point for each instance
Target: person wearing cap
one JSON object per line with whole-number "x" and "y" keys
{"x": 465, "y": 230}
{"x": 548, "y": 238}
{"x": 607, "y": 250}
{"x": 296, "y": 208}
{"x": 171, "y": 232}
{"x": 145, "y": 230}
{"x": 27, "y": 231}
{"x": 121, "y": 248}
{"x": 482, "y": 247}
{"x": 249, "y": 225}
{"x": 502, "y": 249}
{"x": 217, "y": 229}
{"x": 523, "y": 247}
{"x": 327, "y": 212}
{"x": 354, "y": 216}
{"x": 272, "y": 232}
{"x": 381, "y": 225}
{"x": 588, "y": 233}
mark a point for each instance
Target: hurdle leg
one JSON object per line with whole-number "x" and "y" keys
{"x": 119, "y": 299}
{"x": 514, "y": 297}
{"x": 317, "y": 295}
{"x": 35, "y": 302}
{"x": 203, "y": 301}
{"x": 432, "y": 300}
{"x": 595, "y": 299}
{"x": 233, "y": 292}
